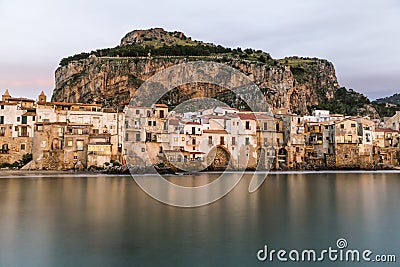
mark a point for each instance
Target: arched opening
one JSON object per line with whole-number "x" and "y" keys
{"x": 218, "y": 158}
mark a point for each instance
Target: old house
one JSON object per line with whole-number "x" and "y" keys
{"x": 387, "y": 142}
{"x": 346, "y": 144}
{"x": 99, "y": 149}
{"x": 48, "y": 146}
{"x": 393, "y": 122}
{"x": 17, "y": 118}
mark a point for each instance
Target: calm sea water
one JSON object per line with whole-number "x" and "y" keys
{"x": 109, "y": 221}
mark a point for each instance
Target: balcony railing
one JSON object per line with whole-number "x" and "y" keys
{"x": 4, "y": 151}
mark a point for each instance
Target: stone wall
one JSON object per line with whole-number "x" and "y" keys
{"x": 347, "y": 156}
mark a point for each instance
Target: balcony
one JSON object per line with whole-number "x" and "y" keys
{"x": 4, "y": 151}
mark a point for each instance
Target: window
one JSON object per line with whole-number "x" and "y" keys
{"x": 154, "y": 123}
{"x": 233, "y": 141}
{"x": 137, "y": 112}
{"x": 222, "y": 140}
{"x": 80, "y": 131}
{"x": 16, "y": 128}
{"x": 367, "y": 137}
{"x": 247, "y": 141}
{"x": 2, "y": 106}
{"x": 2, "y": 131}
{"x": 353, "y": 125}
{"x": 193, "y": 141}
{"x": 247, "y": 125}
{"x": 210, "y": 140}
{"x": 265, "y": 141}
{"x": 4, "y": 148}
{"x": 161, "y": 113}
{"x": 265, "y": 126}
{"x": 193, "y": 130}
{"x": 39, "y": 128}
{"x": 33, "y": 118}
{"x": 341, "y": 126}
{"x": 75, "y": 155}
{"x": 148, "y": 113}
{"x": 297, "y": 149}
{"x": 69, "y": 142}
{"x": 149, "y": 123}
{"x": 278, "y": 141}
{"x": 349, "y": 138}
{"x": 160, "y": 150}
{"x": 1, "y": 119}
{"x": 96, "y": 131}
{"x": 79, "y": 145}
{"x": 298, "y": 121}
{"x": 183, "y": 138}
{"x": 22, "y": 146}
{"x": 126, "y": 137}
{"x": 175, "y": 139}
{"x": 24, "y": 131}
{"x": 194, "y": 148}
{"x": 277, "y": 127}
{"x": 18, "y": 119}
{"x": 24, "y": 119}
{"x": 143, "y": 149}
{"x": 137, "y": 137}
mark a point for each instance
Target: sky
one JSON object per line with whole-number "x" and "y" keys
{"x": 361, "y": 38}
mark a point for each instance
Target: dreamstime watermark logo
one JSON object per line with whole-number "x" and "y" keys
{"x": 151, "y": 136}
{"x": 340, "y": 253}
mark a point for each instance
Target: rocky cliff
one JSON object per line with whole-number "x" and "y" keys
{"x": 111, "y": 76}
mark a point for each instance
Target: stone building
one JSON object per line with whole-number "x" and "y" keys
{"x": 91, "y": 135}
{"x": 48, "y": 146}
{"x": 293, "y": 131}
{"x": 99, "y": 150}
{"x": 17, "y": 118}
{"x": 354, "y": 143}
{"x": 387, "y": 142}
{"x": 393, "y": 122}
{"x": 199, "y": 140}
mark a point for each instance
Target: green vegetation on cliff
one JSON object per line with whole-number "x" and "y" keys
{"x": 346, "y": 101}
{"x": 392, "y": 100}
{"x": 177, "y": 50}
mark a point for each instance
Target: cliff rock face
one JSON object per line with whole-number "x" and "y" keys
{"x": 294, "y": 84}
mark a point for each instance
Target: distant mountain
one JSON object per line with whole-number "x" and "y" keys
{"x": 387, "y": 106}
{"x": 394, "y": 99}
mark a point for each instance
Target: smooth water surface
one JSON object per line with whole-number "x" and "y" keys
{"x": 109, "y": 221}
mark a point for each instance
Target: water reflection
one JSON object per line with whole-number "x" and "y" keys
{"x": 109, "y": 221}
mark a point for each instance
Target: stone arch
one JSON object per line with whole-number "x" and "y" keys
{"x": 218, "y": 160}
